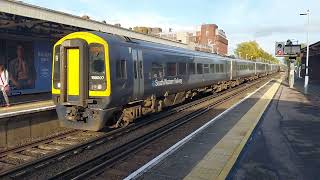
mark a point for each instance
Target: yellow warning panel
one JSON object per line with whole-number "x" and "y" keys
{"x": 73, "y": 71}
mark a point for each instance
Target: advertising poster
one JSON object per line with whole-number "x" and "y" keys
{"x": 43, "y": 65}
{"x": 21, "y": 65}
{"x": 28, "y": 64}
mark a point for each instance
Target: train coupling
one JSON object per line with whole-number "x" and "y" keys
{"x": 75, "y": 113}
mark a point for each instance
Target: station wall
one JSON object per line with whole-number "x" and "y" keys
{"x": 28, "y": 63}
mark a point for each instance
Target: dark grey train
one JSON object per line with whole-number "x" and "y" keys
{"x": 101, "y": 79}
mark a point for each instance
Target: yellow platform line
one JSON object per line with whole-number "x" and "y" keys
{"x": 218, "y": 162}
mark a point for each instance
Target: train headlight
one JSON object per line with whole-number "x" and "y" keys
{"x": 97, "y": 86}
{"x": 58, "y": 85}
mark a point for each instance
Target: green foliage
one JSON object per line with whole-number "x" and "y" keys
{"x": 254, "y": 52}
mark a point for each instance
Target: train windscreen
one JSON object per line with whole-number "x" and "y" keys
{"x": 97, "y": 74}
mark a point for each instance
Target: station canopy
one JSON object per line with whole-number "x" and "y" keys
{"x": 15, "y": 25}
{"x": 314, "y": 49}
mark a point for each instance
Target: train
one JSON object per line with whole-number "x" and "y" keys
{"x": 106, "y": 80}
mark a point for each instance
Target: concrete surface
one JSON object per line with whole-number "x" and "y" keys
{"x": 207, "y": 154}
{"x": 23, "y": 122}
{"x": 286, "y": 145}
{"x": 20, "y": 129}
{"x": 26, "y": 108}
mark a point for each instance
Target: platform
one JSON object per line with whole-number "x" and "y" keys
{"x": 26, "y": 98}
{"x": 21, "y": 122}
{"x": 286, "y": 145}
{"x": 26, "y": 108}
{"x": 211, "y": 151}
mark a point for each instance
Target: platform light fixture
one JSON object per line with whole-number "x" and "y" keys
{"x": 306, "y": 78}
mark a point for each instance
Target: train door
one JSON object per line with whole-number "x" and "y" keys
{"x": 74, "y": 74}
{"x": 138, "y": 77}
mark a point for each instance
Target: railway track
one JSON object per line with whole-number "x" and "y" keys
{"x": 109, "y": 158}
{"x": 61, "y": 147}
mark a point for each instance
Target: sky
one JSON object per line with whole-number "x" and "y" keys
{"x": 263, "y": 21}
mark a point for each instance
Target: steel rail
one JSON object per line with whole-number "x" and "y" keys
{"x": 55, "y": 156}
{"x": 90, "y": 167}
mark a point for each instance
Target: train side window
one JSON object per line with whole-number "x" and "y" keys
{"x": 221, "y": 67}
{"x": 121, "y": 69}
{"x": 157, "y": 70}
{"x": 172, "y": 69}
{"x": 135, "y": 69}
{"x": 211, "y": 68}
{"x": 135, "y": 62}
{"x": 192, "y": 68}
{"x": 206, "y": 68}
{"x": 182, "y": 69}
{"x": 199, "y": 68}
{"x": 217, "y": 68}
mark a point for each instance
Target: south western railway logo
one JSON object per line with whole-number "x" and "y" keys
{"x": 164, "y": 82}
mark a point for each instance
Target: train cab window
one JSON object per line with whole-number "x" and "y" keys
{"x": 172, "y": 69}
{"x": 97, "y": 67}
{"x": 199, "y": 68}
{"x": 211, "y": 68}
{"x": 121, "y": 69}
{"x": 222, "y": 68}
{"x": 182, "y": 68}
{"x": 96, "y": 57}
{"x": 206, "y": 68}
{"x": 192, "y": 68}
{"x": 157, "y": 70}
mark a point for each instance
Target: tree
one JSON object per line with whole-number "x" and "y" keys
{"x": 252, "y": 51}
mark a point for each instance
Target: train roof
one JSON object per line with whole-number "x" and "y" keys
{"x": 112, "y": 38}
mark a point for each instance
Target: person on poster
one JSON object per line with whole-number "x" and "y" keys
{"x": 22, "y": 71}
{"x": 4, "y": 83}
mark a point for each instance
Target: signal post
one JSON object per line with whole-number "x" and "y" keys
{"x": 290, "y": 50}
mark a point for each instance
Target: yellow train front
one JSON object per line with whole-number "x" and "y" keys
{"x": 81, "y": 80}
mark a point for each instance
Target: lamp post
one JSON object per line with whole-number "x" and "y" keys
{"x": 246, "y": 56}
{"x": 239, "y": 54}
{"x": 306, "y": 78}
